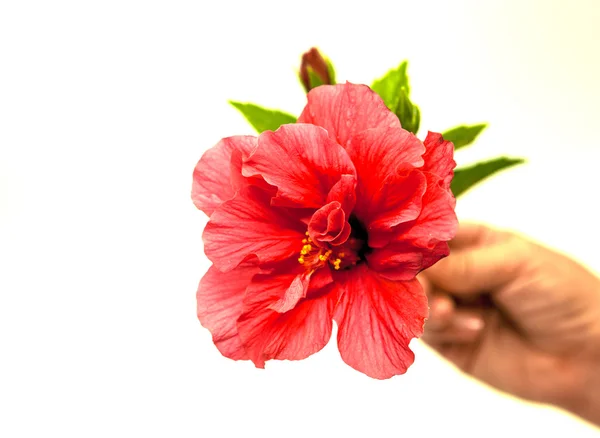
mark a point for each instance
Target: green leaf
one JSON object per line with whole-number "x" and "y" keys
{"x": 467, "y": 177}
{"x": 263, "y": 119}
{"x": 394, "y": 89}
{"x": 409, "y": 114}
{"x": 463, "y": 135}
{"x": 389, "y": 85}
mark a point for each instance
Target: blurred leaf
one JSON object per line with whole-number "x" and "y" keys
{"x": 263, "y": 119}
{"x": 464, "y": 135}
{"x": 467, "y": 177}
{"x": 389, "y": 85}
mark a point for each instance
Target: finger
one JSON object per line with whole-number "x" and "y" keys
{"x": 469, "y": 234}
{"x": 464, "y": 327}
{"x": 441, "y": 311}
{"x": 473, "y": 234}
{"x": 472, "y": 271}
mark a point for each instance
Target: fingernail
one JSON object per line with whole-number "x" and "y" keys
{"x": 441, "y": 307}
{"x": 472, "y": 323}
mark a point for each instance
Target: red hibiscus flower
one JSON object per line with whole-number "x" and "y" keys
{"x": 327, "y": 219}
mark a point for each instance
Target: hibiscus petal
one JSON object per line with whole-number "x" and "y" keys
{"x": 293, "y": 335}
{"x": 403, "y": 261}
{"x": 377, "y": 318}
{"x": 329, "y": 224}
{"x": 438, "y": 157}
{"x": 294, "y": 293}
{"x": 378, "y": 155}
{"x": 212, "y": 184}
{"x": 220, "y": 299}
{"x": 301, "y": 161}
{"x": 344, "y": 110}
{"x": 344, "y": 191}
{"x": 248, "y": 225}
{"x": 398, "y": 200}
{"x": 437, "y": 221}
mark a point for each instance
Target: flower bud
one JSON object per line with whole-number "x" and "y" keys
{"x": 315, "y": 70}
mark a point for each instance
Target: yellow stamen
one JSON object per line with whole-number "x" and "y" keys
{"x": 301, "y": 260}
{"x": 336, "y": 264}
{"x": 324, "y": 257}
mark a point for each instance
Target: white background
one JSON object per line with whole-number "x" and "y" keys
{"x": 105, "y": 107}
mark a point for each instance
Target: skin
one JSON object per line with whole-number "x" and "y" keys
{"x": 519, "y": 317}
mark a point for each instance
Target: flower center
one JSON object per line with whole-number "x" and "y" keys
{"x": 351, "y": 252}
{"x": 314, "y": 257}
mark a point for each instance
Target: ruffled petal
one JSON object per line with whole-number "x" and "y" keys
{"x": 329, "y": 225}
{"x": 398, "y": 200}
{"x": 403, "y": 261}
{"x": 293, "y": 335}
{"x": 219, "y": 300}
{"x": 379, "y": 156}
{"x": 344, "y": 192}
{"x": 377, "y": 318}
{"x": 439, "y": 157}
{"x": 301, "y": 161}
{"x": 212, "y": 184}
{"x": 294, "y": 293}
{"x": 345, "y": 110}
{"x": 437, "y": 221}
{"x": 248, "y": 225}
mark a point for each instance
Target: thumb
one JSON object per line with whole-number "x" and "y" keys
{"x": 480, "y": 269}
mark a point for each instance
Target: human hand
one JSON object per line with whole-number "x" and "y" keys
{"x": 519, "y": 317}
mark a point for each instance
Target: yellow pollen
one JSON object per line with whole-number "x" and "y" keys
{"x": 314, "y": 257}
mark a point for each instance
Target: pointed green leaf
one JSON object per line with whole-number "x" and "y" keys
{"x": 463, "y": 135}
{"x": 263, "y": 119}
{"x": 409, "y": 114}
{"x": 467, "y": 177}
{"x": 394, "y": 89}
{"x": 389, "y": 85}
{"x": 416, "y": 119}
